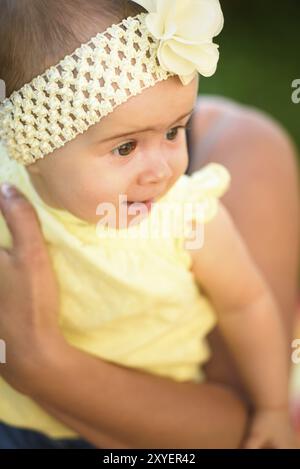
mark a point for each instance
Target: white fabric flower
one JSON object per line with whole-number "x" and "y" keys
{"x": 185, "y": 29}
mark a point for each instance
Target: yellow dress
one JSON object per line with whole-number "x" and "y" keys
{"x": 126, "y": 297}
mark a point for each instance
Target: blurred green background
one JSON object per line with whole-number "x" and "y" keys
{"x": 260, "y": 58}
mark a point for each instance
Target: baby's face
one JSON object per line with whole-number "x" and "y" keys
{"x": 137, "y": 151}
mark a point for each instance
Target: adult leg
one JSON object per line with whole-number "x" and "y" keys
{"x": 263, "y": 201}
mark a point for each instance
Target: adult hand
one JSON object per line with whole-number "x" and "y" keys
{"x": 28, "y": 290}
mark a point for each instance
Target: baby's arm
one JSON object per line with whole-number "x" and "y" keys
{"x": 250, "y": 322}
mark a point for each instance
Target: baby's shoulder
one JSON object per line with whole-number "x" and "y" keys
{"x": 197, "y": 197}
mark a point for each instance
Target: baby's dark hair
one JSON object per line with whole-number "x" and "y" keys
{"x": 35, "y": 34}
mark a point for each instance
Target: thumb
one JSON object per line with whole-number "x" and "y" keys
{"x": 22, "y": 222}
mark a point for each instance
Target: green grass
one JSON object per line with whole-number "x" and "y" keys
{"x": 260, "y": 58}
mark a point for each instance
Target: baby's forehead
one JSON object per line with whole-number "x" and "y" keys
{"x": 156, "y": 107}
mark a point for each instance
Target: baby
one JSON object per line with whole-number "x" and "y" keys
{"x": 102, "y": 132}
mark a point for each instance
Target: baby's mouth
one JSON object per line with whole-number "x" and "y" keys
{"x": 129, "y": 202}
{"x": 146, "y": 203}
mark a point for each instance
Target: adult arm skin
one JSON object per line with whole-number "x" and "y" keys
{"x": 133, "y": 409}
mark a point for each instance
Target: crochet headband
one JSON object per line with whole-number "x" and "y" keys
{"x": 175, "y": 37}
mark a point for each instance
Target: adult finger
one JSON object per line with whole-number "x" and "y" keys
{"x": 22, "y": 222}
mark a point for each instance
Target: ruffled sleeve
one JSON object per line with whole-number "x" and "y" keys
{"x": 198, "y": 197}
{"x": 204, "y": 189}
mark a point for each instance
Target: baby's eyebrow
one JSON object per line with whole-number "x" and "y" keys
{"x": 136, "y": 131}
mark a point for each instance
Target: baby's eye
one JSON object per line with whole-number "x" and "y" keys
{"x": 173, "y": 133}
{"x": 125, "y": 149}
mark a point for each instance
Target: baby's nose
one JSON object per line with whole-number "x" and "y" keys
{"x": 156, "y": 170}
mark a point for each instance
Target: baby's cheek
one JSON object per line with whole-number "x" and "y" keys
{"x": 184, "y": 161}
{"x": 179, "y": 161}
{"x": 95, "y": 203}
{"x": 82, "y": 200}
{"x": 92, "y": 205}
{"x": 180, "y": 165}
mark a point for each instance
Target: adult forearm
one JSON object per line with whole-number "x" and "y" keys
{"x": 126, "y": 408}
{"x": 85, "y": 431}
